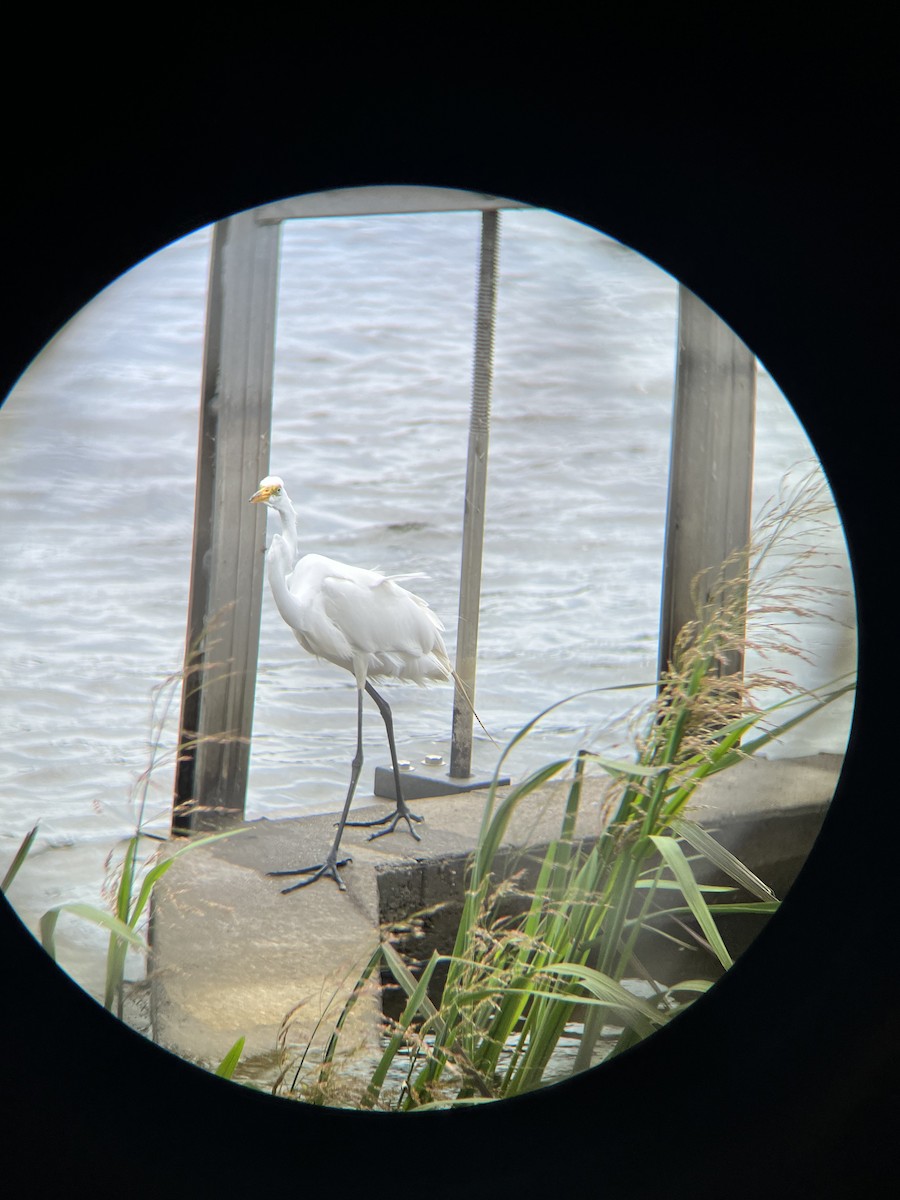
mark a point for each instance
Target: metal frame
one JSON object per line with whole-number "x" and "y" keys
{"x": 225, "y": 603}
{"x": 709, "y": 483}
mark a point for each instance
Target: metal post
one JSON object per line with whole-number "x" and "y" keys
{"x": 476, "y": 487}
{"x": 711, "y": 471}
{"x": 229, "y": 534}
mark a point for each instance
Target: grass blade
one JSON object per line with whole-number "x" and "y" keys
{"x": 674, "y": 858}
{"x": 87, "y": 912}
{"x": 716, "y": 853}
{"x": 21, "y": 855}
{"x": 633, "y": 770}
{"x": 413, "y": 1005}
{"x": 156, "y": 872}
{"x": 226, "y": 1067}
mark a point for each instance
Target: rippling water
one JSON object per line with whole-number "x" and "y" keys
{"x": 372, "y": 389}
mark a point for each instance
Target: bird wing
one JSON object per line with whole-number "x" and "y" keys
{"x": 395, "y": 630}
{"x": 380, "y": 616}
{"x": 313, "y": 625}
{"x": 365, "y": 622}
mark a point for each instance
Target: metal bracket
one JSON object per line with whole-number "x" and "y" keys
{"x": 426, "y": 780}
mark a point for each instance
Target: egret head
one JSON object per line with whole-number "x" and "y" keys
{"x": 271, "y": 490}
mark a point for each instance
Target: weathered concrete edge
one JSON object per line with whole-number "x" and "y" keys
{"x": 231, "y": 955}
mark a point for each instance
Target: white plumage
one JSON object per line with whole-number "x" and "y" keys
{"x": 357, "y": 619}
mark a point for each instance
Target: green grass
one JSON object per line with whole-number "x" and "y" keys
{"x": 530, "y": 964}
{"x": 519, "y": 978}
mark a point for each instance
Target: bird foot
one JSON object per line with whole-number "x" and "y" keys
{"x": 400, "y": 813}
{"x": 328, "y": 867}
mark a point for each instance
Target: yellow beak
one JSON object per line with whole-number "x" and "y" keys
{"x": 262, "y": 494}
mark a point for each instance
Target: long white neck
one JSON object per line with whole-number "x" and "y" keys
{"x": 279, "y": 564}
{"x": 288, "y": 517}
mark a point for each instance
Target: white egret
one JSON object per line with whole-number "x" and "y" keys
{"x": 362, "y": 621}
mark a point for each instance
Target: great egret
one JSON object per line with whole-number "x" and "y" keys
{"x": 362, "y": 621}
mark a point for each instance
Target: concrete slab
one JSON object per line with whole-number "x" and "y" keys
{"x": 232, "y": 956}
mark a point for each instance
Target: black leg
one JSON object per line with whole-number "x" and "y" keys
{"x": 401, "y": 812}
{"x": 332, "y": 863}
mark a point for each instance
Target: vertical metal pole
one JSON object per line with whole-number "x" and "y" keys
{"x": 229, "y": 534}
{"x": 476, "y": 488}
{"x": 711, "y": 471}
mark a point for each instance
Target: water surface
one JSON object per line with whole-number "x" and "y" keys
{"x": 372, "y": 389}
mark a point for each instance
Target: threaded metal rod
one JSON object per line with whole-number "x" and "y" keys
{"x": 476, "y": 488}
